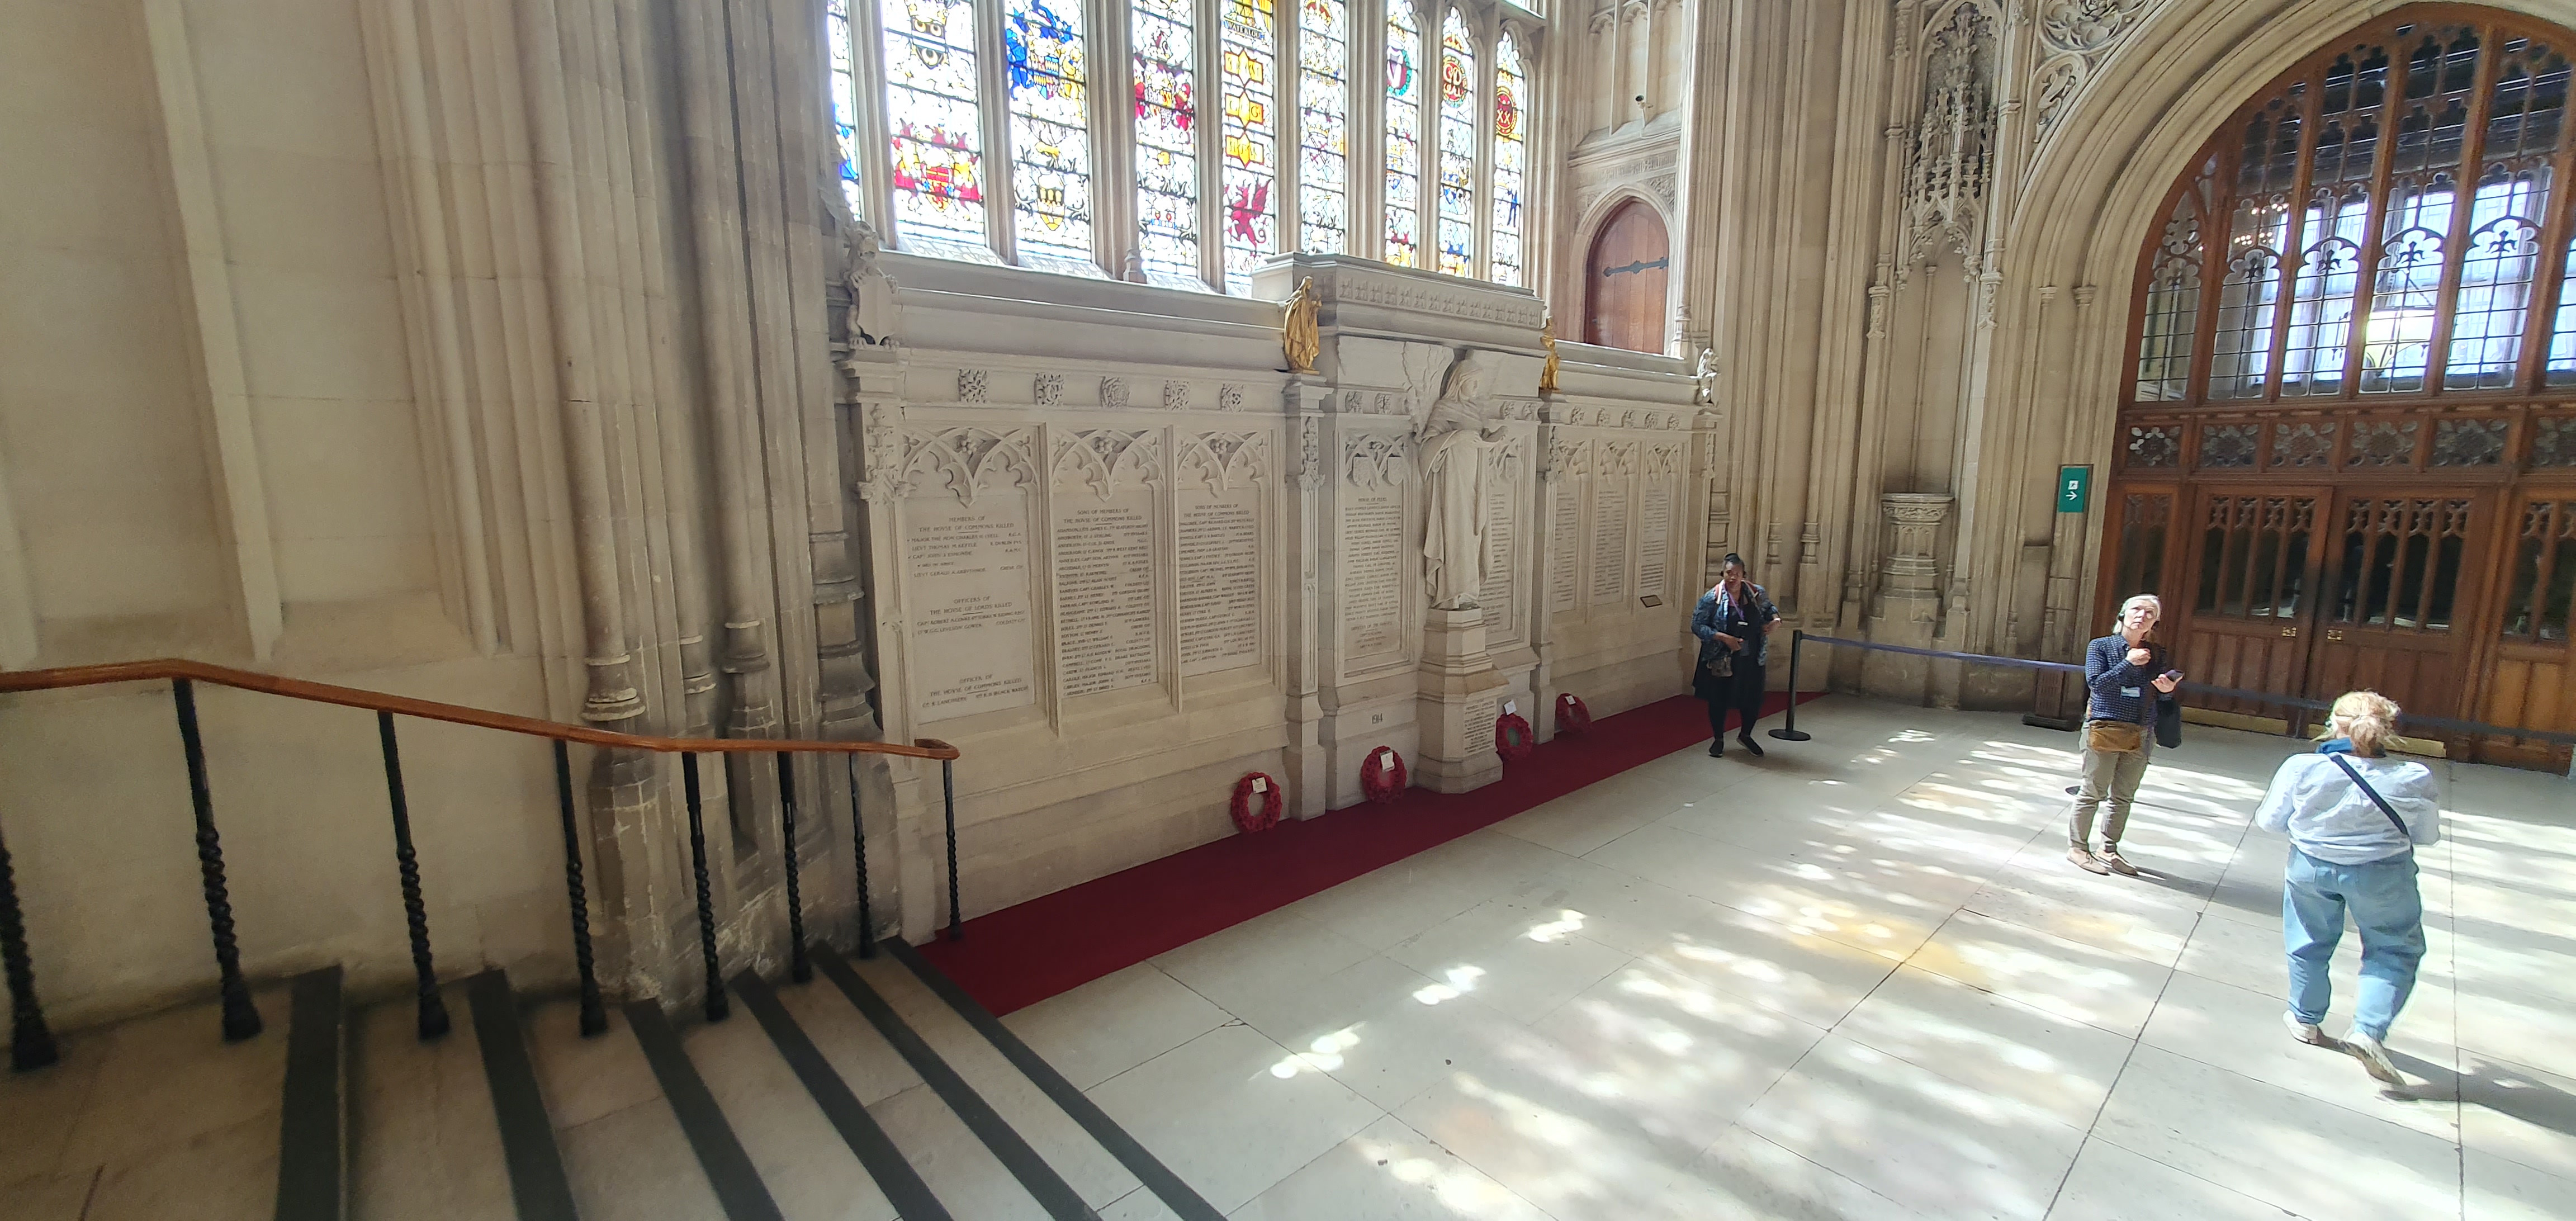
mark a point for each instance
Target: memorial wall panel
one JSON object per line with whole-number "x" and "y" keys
{"x": 1654, "y": 537}
{"x": 1610, "y": 496}
{"x": 973, "y": 647}
{"x": 1565, "y": 545}
{"x": 1104, "y": 593}
{"x": 1500, "y": 594}
{"x": 1220, "y": 580}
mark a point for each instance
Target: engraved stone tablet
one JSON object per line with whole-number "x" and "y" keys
{"x": 1104, "y": 589}
{"x": 972, "y": 649}
{"x": 1609, "y": 539}
{"x": 1655, "y": 536}
{"x": 1502, "y": 622}
{"x": 1220, "y": 581}
{"x": 1373, "y": 557}
{"x": 1565, "y": 527}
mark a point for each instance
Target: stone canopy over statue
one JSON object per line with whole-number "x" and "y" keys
{"x": 1451, "y": 441}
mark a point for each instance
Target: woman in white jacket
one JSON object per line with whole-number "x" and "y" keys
{"x": 2353, "y": 816}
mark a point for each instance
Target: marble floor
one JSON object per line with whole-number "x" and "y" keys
{"x": 1855, "y": 979}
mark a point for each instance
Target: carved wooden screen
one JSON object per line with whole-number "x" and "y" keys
{"x": 1624, "y": 285}
{"x": 2354, "y": 339}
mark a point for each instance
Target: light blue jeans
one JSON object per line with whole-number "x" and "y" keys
{"x": 2390, "y": 914}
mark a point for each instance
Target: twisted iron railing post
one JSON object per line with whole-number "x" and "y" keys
{"x": 433, "y": 1008}
{"x": 31, "y": 1043}
{"x": 594, "y": 1015}
{"x": 241, "y": 1018}
{"x": 859, "y": 852}
{"x": 717, "y": 1006}
{"x": 798, "y": 968}
{"x": 948, "y": 791}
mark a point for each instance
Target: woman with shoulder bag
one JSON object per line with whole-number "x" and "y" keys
{"x": 1733, "y": 622}
{"x": 2353, "y": 816}
{"x": 2126, "y": 675}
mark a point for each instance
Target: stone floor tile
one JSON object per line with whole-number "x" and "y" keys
{"x": 422, "y": 1141}
{"x": 1233, "y": 1112}
{"x": 1519, "y": 962}
{"x": 2500, "y": 1190}
{"x": 859, "y": 1056}
{"x": 2153, "y": 935}
{"x": 48, "y": 1198}
{"x": 169, "y": 1078}
{"x": 34, "y": 1106}
{"x": 2112, "y": 991}
{"x": 1925, "y": 1141}
{"x": 1114, "y": 1023}
{"x": 2110, "y": 1183}
{"x": 2312, "y": 1157}
{"x": 1743, "y": 1177}
{"x": 1387, "y": 1172}
{"x": 2240, "y": 1030}
{"x": 2038, "y": 1059}
{"x": 635, "y": 1163}
{"x": 1553, "y": 1144}
{"x": 1266, "y": 955}
{"x": 2518, "y": 1113}
{"x": 1681, "y": 1059}
{"x": 1808, "y": 977}
{"x": 1386, "y": 1030}
{"x": 1138, "y": 1205}
{"x": 226, "y": 1174}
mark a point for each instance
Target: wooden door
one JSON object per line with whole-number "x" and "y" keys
{"x": 1624, "y": 285}
{"x": 2532, "y": 681}
{"x": 2247, "y": 611}
{"x": 2398, "y": 601}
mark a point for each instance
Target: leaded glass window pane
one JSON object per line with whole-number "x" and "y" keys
{"x": 2173, "y": 309}
{"x": 845, "y": 99}
{"x": 1167, "y": 161}
{"x": 1323, "y": 125}
{"x": 931, "y": 121}
{"x": 1251, "y": 164}
{"x": 1049, "y": 78}
{"x": 1403, "y": 135}
{"x": 1457, "y": 232}
{"x": 1511, "y": 159}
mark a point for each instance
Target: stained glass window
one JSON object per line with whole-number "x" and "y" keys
{"x": 1251, "y": 165}
{"x": 1167, "y": 159}
{"x": 1457, "y": 149}
{"x": 845, "y": 98}
{"x": 1323, "y": 125}
{"x": 1403, "y": 135}
{"x": 1511, "y": 159}
{"x": 1049, "y": 78}
{"x": 931, "y": 121}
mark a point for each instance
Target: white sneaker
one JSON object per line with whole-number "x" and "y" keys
{"x": 2305, "y": 1032}
{"x": 2374, "y": 1057}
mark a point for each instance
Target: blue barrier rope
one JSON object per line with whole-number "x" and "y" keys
{"x": 2442, "y": 724}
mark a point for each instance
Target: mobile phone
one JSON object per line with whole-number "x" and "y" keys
{"x": 2175, "y": 675}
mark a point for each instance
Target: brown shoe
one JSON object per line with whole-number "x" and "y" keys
{"x": 2084, "y": 860}
{"x": 2110, "y": 855}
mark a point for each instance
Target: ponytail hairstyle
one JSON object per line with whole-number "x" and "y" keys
{"x": 2366, "y": 717}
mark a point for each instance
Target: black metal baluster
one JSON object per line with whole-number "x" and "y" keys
{"x": 594, "y": 1015}
{"x": 31, "y": 1043}
{"x": 859, "y": 850}
{"x": 241, "y": 1018}
{"x": 798, "y": 968}
{"x": 716, "y": 1003}
{"x": 433, "y": 1009}
{"x": 948, "y": 790}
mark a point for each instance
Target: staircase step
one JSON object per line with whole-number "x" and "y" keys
{"x": 720, "y": 1153}
{"x": 176, "y": 1122}
{"x": 424, "y": 1141}
{"x": 966, "y": 1174}
{"x": 312, "y": 1146}
{"x": 624, "y": 1152}
{"x": 1016, "y": 1100}
{"x": 756, "y": 1080}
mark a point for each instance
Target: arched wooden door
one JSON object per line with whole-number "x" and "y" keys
{"x": 1623, "y": 281}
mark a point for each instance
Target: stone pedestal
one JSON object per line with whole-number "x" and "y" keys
{"x": 1909, "y": 598}
{"x": 1460, "y": 695}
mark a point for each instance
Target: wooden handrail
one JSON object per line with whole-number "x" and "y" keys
{"x": 169, "y": 668}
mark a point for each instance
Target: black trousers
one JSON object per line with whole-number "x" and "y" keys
{"x": 1743, "y": 696}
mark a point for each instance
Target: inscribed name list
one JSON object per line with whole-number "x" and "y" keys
{"x": 1372, "y": 579}
{"x": 1563, "y": 537}
{"x": 1220, "y": 572}
{"x": 1104, "y": 589}
{"x": 1610, "y": 540}
{"x": 969, "y": 588}
{"x": 1655, "y": 528}
{"x": 1501, "y": 550}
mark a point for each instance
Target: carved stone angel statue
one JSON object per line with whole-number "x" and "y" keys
{"x": 871, "y": 319}
{"x": 1299, "y": 338}
{"x": 1705, "y": 378}
{"x": 1452, "y": 444}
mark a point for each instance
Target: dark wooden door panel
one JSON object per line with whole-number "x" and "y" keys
{"x": 1624, "y": 281}
{"x": 2399, "y": 614}
{"x": 2243, "y": 617}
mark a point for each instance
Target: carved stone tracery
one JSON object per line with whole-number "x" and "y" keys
{"x": 1954, "y": 135}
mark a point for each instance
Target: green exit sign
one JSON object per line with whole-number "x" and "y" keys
{"x": 2074, "y": 488}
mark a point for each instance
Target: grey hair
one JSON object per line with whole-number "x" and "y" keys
{"x": 2144, "y": 600}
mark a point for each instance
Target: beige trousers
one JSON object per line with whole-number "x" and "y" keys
{"x": 2111, "y": 781}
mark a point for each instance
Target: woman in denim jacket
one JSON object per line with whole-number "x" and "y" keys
{"x": 2353, "y": 816}
{"x": 1733, "y": 622}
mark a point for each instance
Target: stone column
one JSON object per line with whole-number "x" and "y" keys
{"x": 1909, "y": 596}
{"x": 1605, "y": 69}
{"x": 1636, "y": 61}
{"x": 1461, "y": 695}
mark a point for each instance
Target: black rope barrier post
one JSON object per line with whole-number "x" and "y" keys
{"x": 717, "y": 1006}
{"x": 241, "y": 1018}
{"x": 859, "y": 853}
{"x": 798, "y": 968}
{"x": 31, "y": 1042}
{"x": 433, "y": 1008}
{"x": 594, "y": 1015}
{"x": 1789, "y": 731}
{"x": 948, "y": 791}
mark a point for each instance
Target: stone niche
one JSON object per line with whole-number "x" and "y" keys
{"x": 1122, "y": 557}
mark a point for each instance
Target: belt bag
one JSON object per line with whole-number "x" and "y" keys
{"x": 2114, "y": 737}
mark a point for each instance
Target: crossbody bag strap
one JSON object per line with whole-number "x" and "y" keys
{"x": 2373, "y": 795}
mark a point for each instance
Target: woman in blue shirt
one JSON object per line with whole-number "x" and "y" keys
{"x": 2353, "y": 816}
{"x": 2126, "y": 677}
{"x": 1733, "y": 622}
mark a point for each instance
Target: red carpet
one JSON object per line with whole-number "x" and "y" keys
{"x": 1021, "y": 955}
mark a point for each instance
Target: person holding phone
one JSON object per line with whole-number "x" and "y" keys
{"x": 2354, "y": 817}
{"x": 2127, "y": 675}
{"x": 1733, "y": 621}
